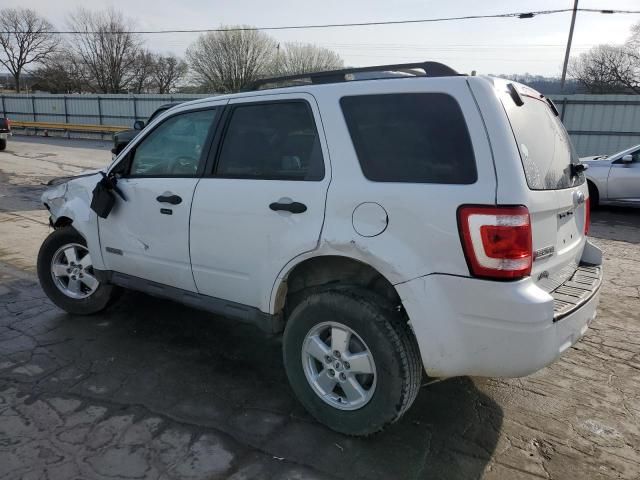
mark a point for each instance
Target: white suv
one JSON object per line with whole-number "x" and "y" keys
{"x": 384, "y": 225}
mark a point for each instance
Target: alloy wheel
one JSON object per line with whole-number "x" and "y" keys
{"x": 339, "y": 366}
{"x": 72, "y": 271}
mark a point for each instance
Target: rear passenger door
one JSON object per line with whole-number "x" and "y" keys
{"x": 263, "y": 201}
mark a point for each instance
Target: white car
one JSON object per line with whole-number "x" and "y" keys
{"x": 388, "y": 226}
{"x": 614, "y": 179}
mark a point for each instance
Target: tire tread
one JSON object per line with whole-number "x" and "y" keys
{"x": 394, "y": 323}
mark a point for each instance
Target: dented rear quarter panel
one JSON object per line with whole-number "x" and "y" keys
{"x": 422, "y": 232}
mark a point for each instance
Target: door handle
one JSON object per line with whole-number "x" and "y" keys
{"x": 293, "y": 207}
{"x": 172, "y": 199}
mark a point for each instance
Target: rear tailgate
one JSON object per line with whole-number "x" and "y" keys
{"x": 557, "y": 221}
{"x": 555, "y": 191}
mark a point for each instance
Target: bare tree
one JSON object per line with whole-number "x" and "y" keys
{"x": 106, "y": 47}
{"x": 25, "y": 38}
{"x": 229, "y": 61}
{"x": 610, "y": 68}
{"x": 167, "y": 73}
{"x": 633, "y": 42}
{"x": 142, "y": 71}
{"x": 61, "y": 73}
{"x": 607, "y": 69}
{"x": 298, "y": 58}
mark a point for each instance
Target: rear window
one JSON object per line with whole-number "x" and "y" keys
{"x": 545, "y": 149}
{"x": 410, "y": 137}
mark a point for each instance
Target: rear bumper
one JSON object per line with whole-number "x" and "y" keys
{"x": 468, "y": 326}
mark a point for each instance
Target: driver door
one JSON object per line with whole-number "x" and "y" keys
{"x": 148, "y": 235}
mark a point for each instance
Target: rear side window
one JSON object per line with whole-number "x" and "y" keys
{"x": 410, "y": 137}
{"x": 545, "y": 149}
{"x": 272, "y": 141}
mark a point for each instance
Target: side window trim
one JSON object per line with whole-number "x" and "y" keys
{"x": 216, "y": 142}
{"x": 128, "y": 159}
{"x": 223, "y": 127}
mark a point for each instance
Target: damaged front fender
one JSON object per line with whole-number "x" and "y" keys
{"x": 72, "y": 200}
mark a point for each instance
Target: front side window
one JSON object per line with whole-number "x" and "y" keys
{"x": 410, "y": 137}
{"x": 176, "y": 147}
{"x": 271, "y": 141}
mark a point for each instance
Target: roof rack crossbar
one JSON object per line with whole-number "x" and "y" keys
{"x": 431, "y": 69}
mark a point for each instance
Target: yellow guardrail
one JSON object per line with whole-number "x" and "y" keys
{"x": 70, "y": 127}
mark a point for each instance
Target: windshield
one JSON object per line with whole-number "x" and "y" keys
{"x": 544, "y": 145}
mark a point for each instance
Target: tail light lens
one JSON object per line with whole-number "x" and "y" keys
{"x": 587, "y": 216}
{"x": 496, "y": 241}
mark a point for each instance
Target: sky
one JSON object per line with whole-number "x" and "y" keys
{"x": 486, "y": 45}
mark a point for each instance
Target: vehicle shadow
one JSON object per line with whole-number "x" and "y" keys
{"x": 213, "y": 373}
{"x": 616, "y": 223}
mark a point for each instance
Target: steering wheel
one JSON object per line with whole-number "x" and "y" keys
{"x": 184, "y": 165}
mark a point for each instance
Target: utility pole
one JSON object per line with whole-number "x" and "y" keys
{"x": 566, "y": 54}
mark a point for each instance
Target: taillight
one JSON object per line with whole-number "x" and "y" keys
{"x": 496, "y": 241}
{"x": 587, "y": 215}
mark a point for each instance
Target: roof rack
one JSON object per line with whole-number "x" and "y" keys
{"x": 431, "y": 69}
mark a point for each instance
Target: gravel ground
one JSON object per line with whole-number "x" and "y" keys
{"x": 152, "y": 389}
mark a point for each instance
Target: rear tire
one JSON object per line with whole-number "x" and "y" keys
{"x": 594, "y": 196}
{"x": 374, "y": 330}
{"x": 68, "y": 279}
{"x": 3, "y": 144}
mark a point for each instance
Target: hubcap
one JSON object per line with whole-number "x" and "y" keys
{"x": 72, "y": 271}
{"x": 339, "y": 366}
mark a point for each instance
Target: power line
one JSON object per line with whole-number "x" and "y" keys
{"x": 523, "y": 15}
{"x": 438, "y": 47}
{"x": 455, "y": 45}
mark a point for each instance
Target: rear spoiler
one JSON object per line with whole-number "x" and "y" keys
{"x": 517, "y": 98}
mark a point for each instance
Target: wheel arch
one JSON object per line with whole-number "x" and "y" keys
{"x": 321, "y": 270}
{"x": 63, "y": 221}
{"x": 76, "y": 213}
{"x": 595, "y": 191}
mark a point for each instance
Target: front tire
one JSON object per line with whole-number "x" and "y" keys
{"x": 66, "y": 275}
{"x": 352, "y": 360}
